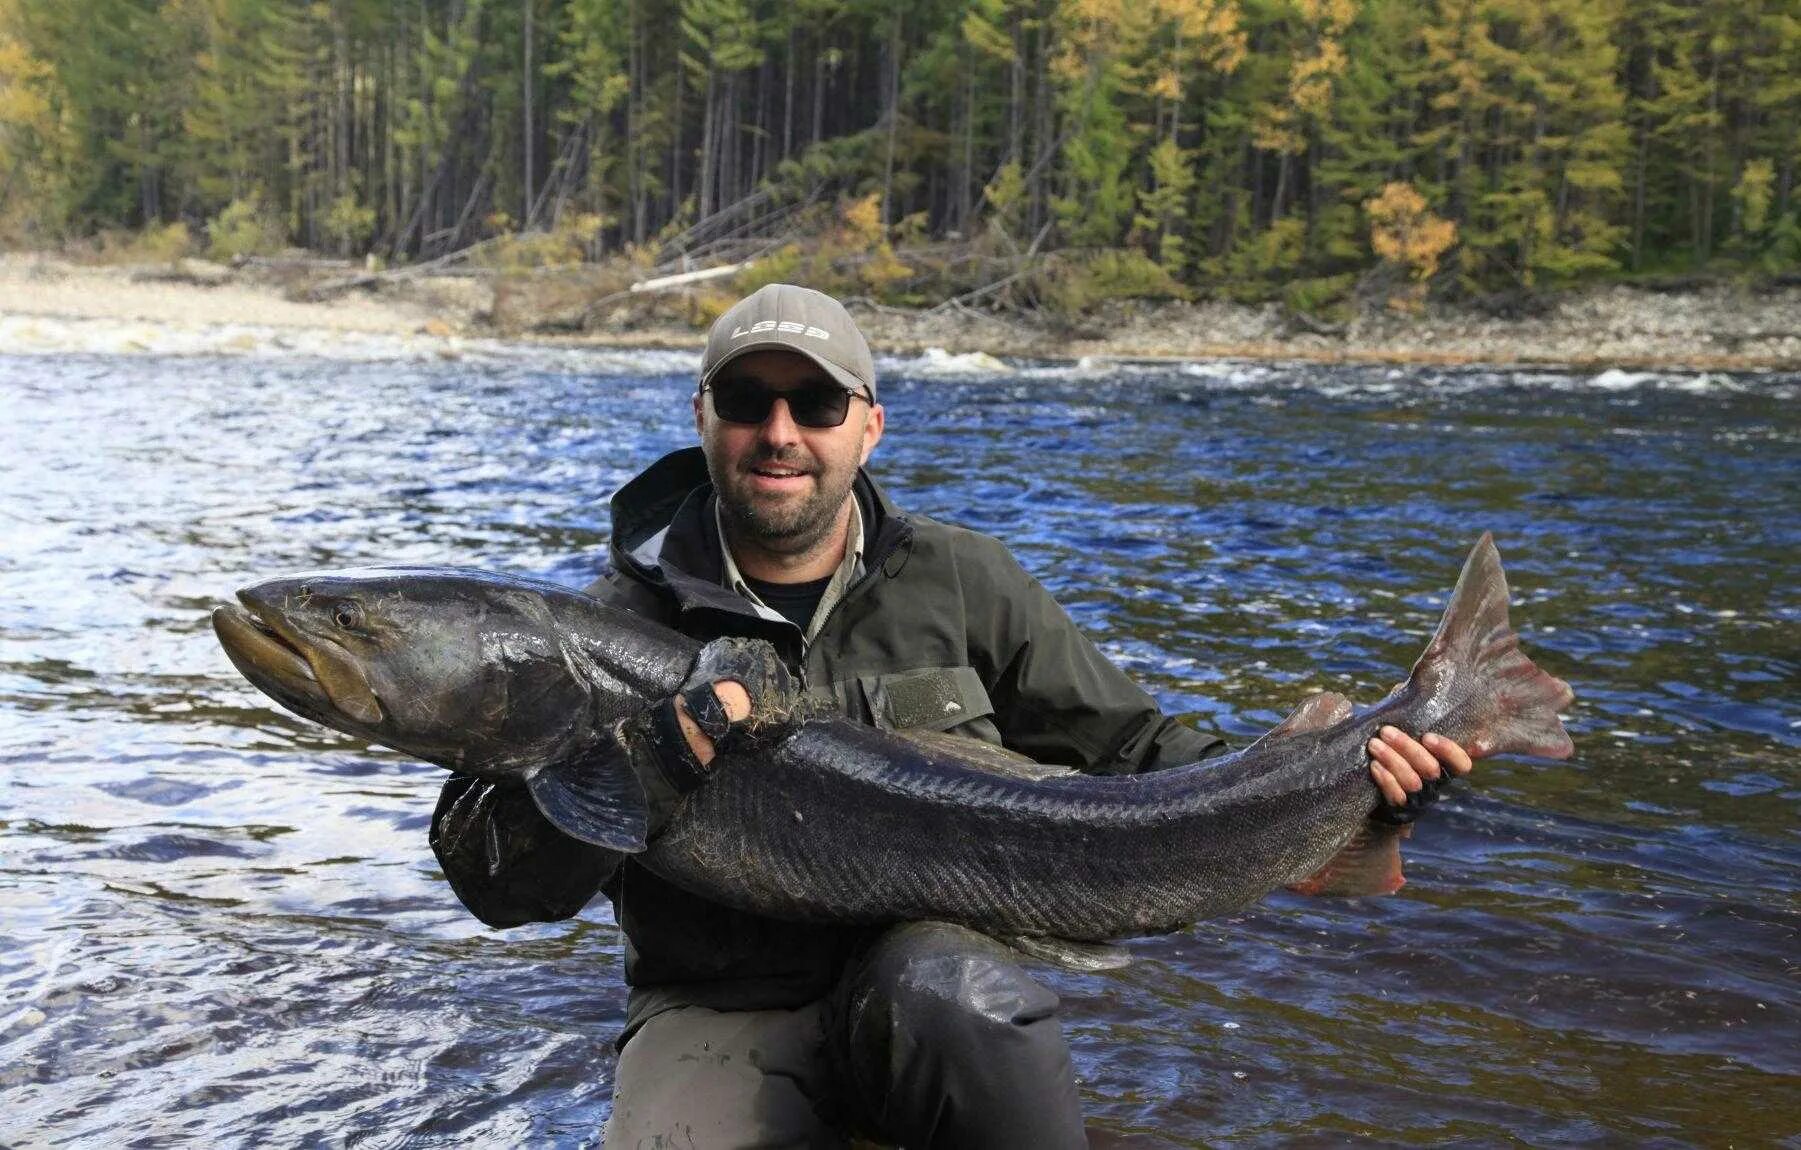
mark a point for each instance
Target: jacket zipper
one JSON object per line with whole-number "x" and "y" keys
{"x": 870, "y": 571}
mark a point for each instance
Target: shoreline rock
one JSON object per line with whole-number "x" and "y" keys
{"x": 1719, "y": 327}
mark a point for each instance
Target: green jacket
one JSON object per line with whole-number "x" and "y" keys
{"x": 944, "y": 630}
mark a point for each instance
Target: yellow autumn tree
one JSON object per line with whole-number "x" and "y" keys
{"x": 1319, "y": 62}
{"x": 862, "y": 241}
{"x": 1408, "y": 236}
{"x": 27, "y": 130}
{"x": 1752, "y": 196}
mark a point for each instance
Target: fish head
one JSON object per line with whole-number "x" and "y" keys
{"x": 460, "y": 670}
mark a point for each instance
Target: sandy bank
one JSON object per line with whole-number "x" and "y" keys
{"x": 201, "y": 295}
{"x": 50, "y": 305}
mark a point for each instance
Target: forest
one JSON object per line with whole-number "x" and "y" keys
{"x": 913, "y": 152}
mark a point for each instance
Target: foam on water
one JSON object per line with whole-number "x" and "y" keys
{"x": 1615, "y": 379}
{"x": 31, "y": 335}
{"x": 937, "y": 362}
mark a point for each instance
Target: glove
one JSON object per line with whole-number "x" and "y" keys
{"x": 1391, "y": 815}
{"x": 505, "y": 861}
{"x": 666, "y": 765}
{"x": 753, "y": 664}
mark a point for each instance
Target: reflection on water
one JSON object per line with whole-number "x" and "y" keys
{"x": 224, "y": 924}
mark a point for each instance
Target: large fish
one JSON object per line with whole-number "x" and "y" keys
{"x": 519, "y": 679}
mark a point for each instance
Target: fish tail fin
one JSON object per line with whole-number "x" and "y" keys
{"x": 1499, "y": 700}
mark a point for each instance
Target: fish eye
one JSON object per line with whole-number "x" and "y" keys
{"x": 347, "y": 614}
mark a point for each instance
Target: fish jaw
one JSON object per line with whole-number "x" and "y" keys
{"x": 335, "y": 670}
{"x": 270, "y": 662}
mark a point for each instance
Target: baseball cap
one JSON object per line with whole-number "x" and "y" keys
{"x": 788, "y": 317}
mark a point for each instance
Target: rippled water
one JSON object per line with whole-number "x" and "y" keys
{"x": 223, "y": 925}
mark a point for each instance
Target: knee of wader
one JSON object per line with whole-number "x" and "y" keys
{"x": 948, "y": 990}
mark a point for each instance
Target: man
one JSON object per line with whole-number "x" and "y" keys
{"x": 744, "y": 1031}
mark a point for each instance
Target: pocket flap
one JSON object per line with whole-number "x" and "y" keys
{"x": 935, "y": 699}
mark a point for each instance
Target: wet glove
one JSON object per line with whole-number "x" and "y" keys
{"x": 1393, "y": 815}
{"x": 666, "y": 765}
{"x": 754, "y": 665}
{"x": 505, "y": 861}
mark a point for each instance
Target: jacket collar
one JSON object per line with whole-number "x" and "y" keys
{"x": 664, "y": 531}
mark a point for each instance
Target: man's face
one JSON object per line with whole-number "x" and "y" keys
{"x": 782, "y": 485}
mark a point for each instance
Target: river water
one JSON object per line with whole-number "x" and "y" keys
{"x": 222, "y": 925}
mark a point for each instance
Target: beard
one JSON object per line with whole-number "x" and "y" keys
{"x": 784, "y": 526}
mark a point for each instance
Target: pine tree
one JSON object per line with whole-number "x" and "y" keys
{"x": 1231, "y": 141}
{"x": 33, "y": 146}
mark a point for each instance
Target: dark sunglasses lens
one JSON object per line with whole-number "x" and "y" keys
{"x": 822, "y": 405}
{"x": 742, "y": 402}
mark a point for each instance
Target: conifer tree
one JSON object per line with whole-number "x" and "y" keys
{"x": 1233, "y": 142}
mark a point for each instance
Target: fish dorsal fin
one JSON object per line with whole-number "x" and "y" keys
{"x": 1326, "y": 709}
{"x": 1083, "y": 957}
{"x": 1369, "y": 864}
{"x": 595, "y": 798}
{"x": 983, "y": 756}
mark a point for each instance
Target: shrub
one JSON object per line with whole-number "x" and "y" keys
{"x": 779, "y": 267}
{"x": 566, "y": 245}
{"x": 243, "y": 229}
{"x": 1316, "y": 296}
{"x": 348, "y": 224}
{"x": 1069, "y": 284}
{"x": 156, "y": 244}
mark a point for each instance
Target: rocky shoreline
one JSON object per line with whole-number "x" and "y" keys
{"x": 1720, "y": 327}
{"x": 1712, "y": 329}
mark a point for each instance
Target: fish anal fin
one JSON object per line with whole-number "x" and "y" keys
{"x": 1369, "y": 864}
{"x": 1083, "y": 957}
{"x": 596, "y": 798}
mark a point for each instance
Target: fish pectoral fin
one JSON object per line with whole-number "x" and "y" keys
{"x": 1084, "y": 957}
{"x": 596, "y": 799}
{"x": 1369, "y": 864}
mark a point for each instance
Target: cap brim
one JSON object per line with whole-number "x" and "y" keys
{"x": 844, "y": 379}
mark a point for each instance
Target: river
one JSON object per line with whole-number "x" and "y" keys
{"x": 222, "y": 925}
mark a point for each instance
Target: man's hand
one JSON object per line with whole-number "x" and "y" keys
{"x": 738, "y": 697}
{"x": 1409, "y": 772}
{"x": 736, "y": 702}
{"x": 737, "y": 693}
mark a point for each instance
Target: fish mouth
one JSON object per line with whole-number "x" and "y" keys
{"x": 262, "y": 655}
{"x": 317, "y": 680}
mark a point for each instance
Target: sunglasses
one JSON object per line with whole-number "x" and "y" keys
{"x": 818, "y": 403}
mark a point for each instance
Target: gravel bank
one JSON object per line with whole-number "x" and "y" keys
{"x": 46, "y": 303}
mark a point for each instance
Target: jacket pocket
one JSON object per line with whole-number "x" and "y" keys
{"x": 932, "y": 699}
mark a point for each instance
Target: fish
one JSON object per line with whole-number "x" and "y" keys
{"x": 511, "y": 678}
